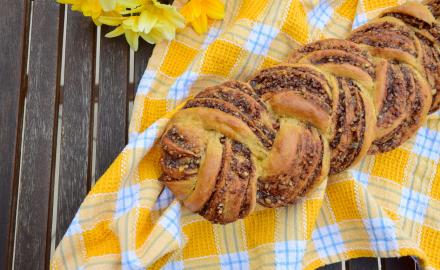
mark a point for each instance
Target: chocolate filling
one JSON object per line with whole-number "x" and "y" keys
{"x": 397, "y": 137}
{"x": 233, "y": 181}
{"x": 435, "y": 31}
{"x": 304, "y": 81}
{"x": 213, "y": 207}
{"x": 339, "y": 119}
{"x": 343, "y": 157}
{"x": 386, "y": 35}
{"x": 280, "y": 190}
{"x": 232, "y": 110}
{"x": 417, "y": 23}
{"x": 434, "y": 7}
{"x": 431, "y": 63}
{"x": 333, "y": 44}
{"x": 246, "y": 104}
{"x": 219, "y": 105}
{"x": 174, "y": 135}
{"x": 246, "y": 171}
{"x": 316, "y": 172}
{"x": 179, "y": 168}
{"x": 244, "y": 166}
{"x": 397, "y": 95}
{"x": 357, "y": 126}
{"x": 347, "y": 59}
{"x": 177, "y": 145}
{"x": 245, "y": 88}
{"x": 401, "y": 132}
{"x": 431, "y": 56}
{"x": 414, "y": 22}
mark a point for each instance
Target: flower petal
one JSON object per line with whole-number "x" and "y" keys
{"x": 110, "y": 20}
{"x": 132, "y": 39}
{"x": 166, "y": 31}
{"x": 147, "y": 37}
{"x": 175, "y": 18}
{"x": 131, "y": 23}
{"x": 108, "y": 5}
{"x": 215, "y": 9}
{"x": 129, "y": 3}
{"x": 200, "y": 24}
{"x": 96, "y": 21}
{"x": 186, "y": 12}
{"x": 146, "y": 21}
{"x": 116, "y": 32}
{"x": 90, "y": 8}
{"x": 198, "y": 10}
{"x": 76, "y": 7}
{"x": 132, "y": 11}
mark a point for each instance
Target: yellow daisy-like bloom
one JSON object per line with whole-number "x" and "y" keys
{"x": 94, "y": 8}
{"x": 154, "y": 23}
{"x": 197, "y": 13}
{"x": 89, "y": 8}
{"x": 148, "y": 19}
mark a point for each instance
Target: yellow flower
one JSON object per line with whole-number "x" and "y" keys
{"x": 97, "y": 8}
{"x": 111, "y": 5}
{"x": 148, "y": 19}
{"x": 154, "y": 23}
{"x": 197, "y": 13}
{"x": 108, "y": 5}
{"x": 89, "y": 8}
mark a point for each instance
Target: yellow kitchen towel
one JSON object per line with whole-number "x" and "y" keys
{"x": 387, "y": 206}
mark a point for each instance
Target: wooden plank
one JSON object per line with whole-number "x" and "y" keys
{"x": 32, "y": 247}
{"x": 141, "y": 58}
{"x": 363, "y": 264}
{"x": 112, "y": 100}
{"x": 77, "y": 120}
{"x": 13, "y": 48}
{"x": 406, "y": 263}
{"x": 333, "y": 266}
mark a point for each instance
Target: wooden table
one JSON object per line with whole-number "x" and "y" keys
{"x": 64, "y": 109}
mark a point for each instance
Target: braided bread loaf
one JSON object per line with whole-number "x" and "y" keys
{"x": 272, "y": 139}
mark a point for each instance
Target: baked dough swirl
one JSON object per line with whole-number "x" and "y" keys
{"x": 274, "y": 138}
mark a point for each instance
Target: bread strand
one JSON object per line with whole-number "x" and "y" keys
{"x": 274, "y": 138}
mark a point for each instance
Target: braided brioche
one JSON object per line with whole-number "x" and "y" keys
{"x": 272, "y": 139}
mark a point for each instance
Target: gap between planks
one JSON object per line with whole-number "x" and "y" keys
{"x": 95, "y": 118}
{"x": 23, "y": 126}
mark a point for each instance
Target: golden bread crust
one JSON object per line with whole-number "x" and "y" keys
{"x": 275, "y": 138}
